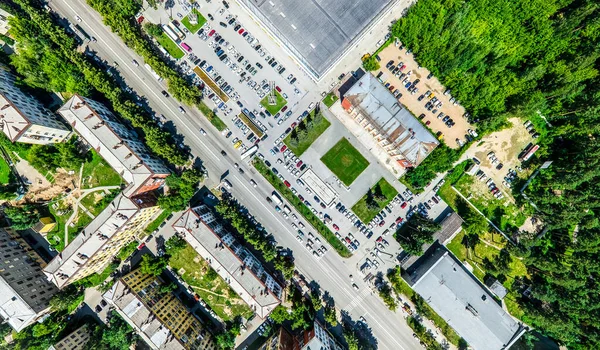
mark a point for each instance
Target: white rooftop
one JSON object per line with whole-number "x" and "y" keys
{"x": 467, "y": 306}
{"x": 234, "y": 263}
{"x": 14, "y": 309}
{"x": 395, "y": 124}
{"x": 121, "y": 148}
{"x": 322, "y": 189}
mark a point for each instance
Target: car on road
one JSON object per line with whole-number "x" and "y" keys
{"x": 135, "y": 63}
{"x": 202, "y": 132}
{"x": 223, "y": 153}
{"x": 164, "y": 93}
{"x": 354, "y": 286}
{"x": 181, "y": 110}
{"x": 253, "y": 183}
{"x": 77, "y": 18}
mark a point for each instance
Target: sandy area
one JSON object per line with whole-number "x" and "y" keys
{"x": 506, "y": 144}
{"x": 417, "y": 108}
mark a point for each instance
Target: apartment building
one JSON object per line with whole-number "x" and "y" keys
{"x": 4, "y": 22}
{"x": 75, "y": 340}
{"x": 232, "y": 261}
{"x": 316, "y": 337}
{"x": 24, "y": 290}
{"x": 127, "y": 215}
{"x": 159, "y": 318}
{"x": 22, "y": 117}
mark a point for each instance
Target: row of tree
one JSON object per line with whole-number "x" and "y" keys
{"x": 530, "y": 59}
{"x": 50, "y": 60}
{"x": 231, "y": 210}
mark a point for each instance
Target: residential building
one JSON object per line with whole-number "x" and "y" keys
{"x": 315, "y": 338}
{"x": 232, "y": 261}
{"x": 76, "y": 340}
{"x": 159, "y": 318}
{"x": 4, "y": 27}
{"x": 462, "y": 301}
{"x": 117, "y": 225}
{"x": 24, "y": 291}
{"x": 390, "y": 126}
{"x": 22, "y": 117}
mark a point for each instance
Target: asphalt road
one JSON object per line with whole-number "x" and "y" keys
{"x": 331, "y": 272}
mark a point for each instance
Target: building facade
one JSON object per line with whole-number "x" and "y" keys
{"x": 76, "y": 340}
{"x": 314, "y": 338}
{"x": 158, "y": 317}
{"x": 232, "y": 261}
{"x": 405, "y": 140}
{"x": 25, "y": 119}
{"x": 127, "y": 215}
{"x": 24, "y": 291}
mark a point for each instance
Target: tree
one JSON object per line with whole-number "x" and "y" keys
{"x": 153, "y": 265}
{"x": 330, "y": 316}
{"x": 22, "y": 217}
{"x": 315, "y": 298}
{"x": 167, "y": 288}
{"x": 175, "y": 244}
{"x": 417, "y": 231}
{"x": 67, "y": 299}
{"x": 385, "y": 292}
{"x": 370, "y": 63}
{"x": 280, "y": 314}
{"x": 470, "y": 241}
{"x": 351, "y": 338}
{"x": 378, "y": 193}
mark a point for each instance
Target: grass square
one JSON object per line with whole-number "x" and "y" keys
{"x": 345, "y": 161}
{"x": 312, "y": 133}
{"x": 193, "y": 28}
{"x": 170, "y": 46}
{"x": 364, "y": 212}
{"x": 330, "y": 99}
{"x": 273, "y": 109}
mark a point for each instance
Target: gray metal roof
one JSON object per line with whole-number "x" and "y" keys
{"x": 317, "y": 31}
{"x": 456, "y": 295}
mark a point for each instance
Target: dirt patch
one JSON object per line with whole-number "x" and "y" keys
{"x": 459, "y": 130}
{"x": 506, "y": 145}
{"x": 63, "y": 183}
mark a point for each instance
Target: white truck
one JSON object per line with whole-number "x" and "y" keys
{"x": 276, "y": 199}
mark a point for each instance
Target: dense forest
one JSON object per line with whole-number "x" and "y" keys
{"x": 531, "y": 58}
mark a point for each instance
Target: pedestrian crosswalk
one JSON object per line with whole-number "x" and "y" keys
{"x": 357, "y": 300}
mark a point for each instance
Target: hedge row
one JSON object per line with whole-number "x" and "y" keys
{"x": 302, "y": 209}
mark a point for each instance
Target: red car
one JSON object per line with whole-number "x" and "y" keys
{"x": 379, "y": 239}
{"x": 278, "y": 88}
{"x": 140, "y": 19}
{"x": 399, "y": 219}
{"x": 336, "y": 227}
{"x": 211, "y": 33}
{"x": 283, "y": 109}
{"x": 241, "y": 31}
{"x": 300, "y": 197}
{"x": 293, "y": 125}
{"x": 403, "y": 205}
{"x": 299, "y": 164}
{"x": 381, "y": 223}
{"x": 283, "y": 148}
{"x": 141, "y": 246}
{"x": 287, "y": 183}
{"x": 348, "y": 240}
{"x": 428, "y": 122}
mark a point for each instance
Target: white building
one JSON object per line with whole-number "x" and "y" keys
{"x": 23, "y": 118}
{"x": 24, "y": 291}
{"x": 127, "y": 215}
{"x": 232, "y": 261}
{"x": 4, "y": 22}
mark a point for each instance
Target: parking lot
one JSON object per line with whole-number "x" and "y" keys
{"x": 429, "y": 101}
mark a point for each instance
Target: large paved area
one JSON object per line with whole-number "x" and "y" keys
{"x": 317, "y": 32}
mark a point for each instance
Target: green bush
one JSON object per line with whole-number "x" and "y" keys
{"x": 323, "y": 230}
{"x": 440, "y": 160}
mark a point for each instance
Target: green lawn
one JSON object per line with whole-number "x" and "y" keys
{"x": 208, "y": 285}
{"x": 345, "y": 161}
{"x": 330, "y": 99}
{"x": 155, "y": 224}
{"x": 311, "y": 134}
{"x": 193, "y": 28}
{"x": 170, "y": 46}
{"x": 5, "y": 173}
{"x": 97, "y": 172}
{"x": 95, "y": 202}
{"x": 314, "y": 220}
{"x": 364, "y": 213}
{"x": 212, "y": 117}
{"x": 273, "y": 109}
